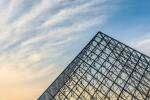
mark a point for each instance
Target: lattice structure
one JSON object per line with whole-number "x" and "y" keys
{"x": 105, "y": 69}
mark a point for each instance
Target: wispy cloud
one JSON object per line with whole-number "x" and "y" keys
{"x": 142, "y": 44}
{"x": 35, "y": 36}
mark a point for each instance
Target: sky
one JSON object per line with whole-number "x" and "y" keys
{"x": 39, "y": 38}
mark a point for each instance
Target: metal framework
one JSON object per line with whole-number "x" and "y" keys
{"x": 105, "y": 69}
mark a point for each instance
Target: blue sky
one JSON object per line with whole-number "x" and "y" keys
{"x": 39, "y": 38}
{"x": 131, "y": 18}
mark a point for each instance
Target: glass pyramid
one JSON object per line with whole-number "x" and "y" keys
{"x": 105, "y": 69}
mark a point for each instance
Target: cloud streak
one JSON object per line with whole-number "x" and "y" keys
{"x": 35, "y": 36}
{"x": 142, "y": 44}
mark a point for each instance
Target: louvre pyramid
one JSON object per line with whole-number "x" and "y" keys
{"x": 105, "y": 69}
